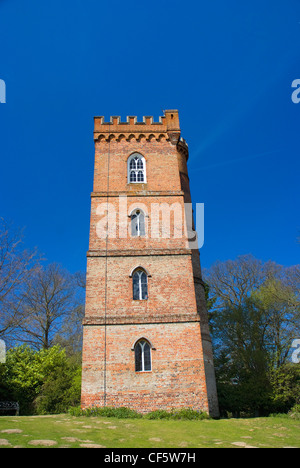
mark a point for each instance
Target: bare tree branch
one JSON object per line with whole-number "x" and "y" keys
{"x": 16, "y": 268}
{"x": 49, "y": 299}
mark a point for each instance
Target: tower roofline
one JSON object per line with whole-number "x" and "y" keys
{"x": 169, "y": 122}
{"x": 168, "y": 126}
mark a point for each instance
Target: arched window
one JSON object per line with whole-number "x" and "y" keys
{"x": 142, "y": 352}
{"x": 137, "y": 223}
{"x": 136, "y": 168}
{"x": 140, "y": 285}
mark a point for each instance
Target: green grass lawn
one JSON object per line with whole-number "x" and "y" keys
{"x": 69, "y": 431}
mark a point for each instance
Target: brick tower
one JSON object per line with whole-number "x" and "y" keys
{"x": 146, "y": 342}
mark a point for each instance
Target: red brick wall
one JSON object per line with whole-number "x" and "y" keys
{"x": 174, "y": 318}
{"x": 177, "y": 378}
{"x": 170, "y": 286}
{"x": 161, "y": 159}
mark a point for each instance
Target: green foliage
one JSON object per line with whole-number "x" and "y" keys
{"x": 253, "y": 323}
{"x": 177, "y": 414}
{"x": 125, "y": 413}
{"x": 61, "y": 389}
{"x": 294, "y": 412}
{"x": 44, "y": 381}
{"x": 158, "y": 414}
{"x": 4, "y": 389}
{"x": 108, "y": 411}
{"x": 285, "y": 383}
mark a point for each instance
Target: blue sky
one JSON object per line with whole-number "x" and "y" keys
{"x": 228, "y": 68}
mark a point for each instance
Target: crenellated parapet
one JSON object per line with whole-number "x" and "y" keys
{"x": 166, "y": 129}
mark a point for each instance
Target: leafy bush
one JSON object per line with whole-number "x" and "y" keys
{"x": 44, "y": 381}
{"x": 124, "y": 413}
{"x": 189, "y": 414}
{"x": 158, "y": 414}
{"x": 108, "y": 411}
{"x": 61, "y": 389}
{"x": 175, "y": 414}
{"x": 294, "y": 412}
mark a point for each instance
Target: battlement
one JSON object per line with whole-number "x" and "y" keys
{"x": 167, "y": 126}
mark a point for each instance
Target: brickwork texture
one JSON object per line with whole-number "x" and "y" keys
{"x": 173, "y": 318}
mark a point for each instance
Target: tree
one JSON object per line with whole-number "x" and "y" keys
{"x": 17, "y": 265}
{"x": 279, "y": 302}
{"x": 241, "y": 359}
{"x": 232, "y": 281}
{"x": 254, "y": 317}
{"x": 61, "y": 387}
{"x": 50, "y": 298}
{"x": 69, "y": 335}
{"x": 44, "y": 381}
{"x": 21, "y": 377}
{"x": 285, "y": 383}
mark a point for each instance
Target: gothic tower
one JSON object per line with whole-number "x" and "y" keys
{"x": 146, "y": 342}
